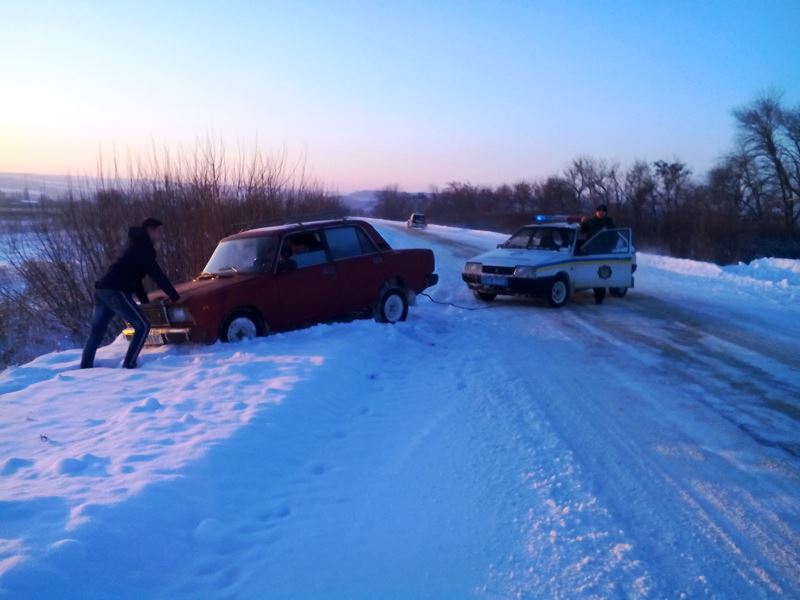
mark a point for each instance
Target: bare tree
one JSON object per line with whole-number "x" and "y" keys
{"x": 594, "y": 182}
{"x": 672, "y": 179}
{"x": 639, "y": 190}
{"x": 770, "y": 134}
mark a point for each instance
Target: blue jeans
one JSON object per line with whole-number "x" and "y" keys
{"x": 107, "y": 303}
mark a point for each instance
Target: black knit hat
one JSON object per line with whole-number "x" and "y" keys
{"x": 151, "y": 223}
{"x": 602, "y": 207}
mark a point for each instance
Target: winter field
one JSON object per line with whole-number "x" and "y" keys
{"x": 646, "y": 448}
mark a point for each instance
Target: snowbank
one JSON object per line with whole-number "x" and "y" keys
{"x": 768, "y": 273}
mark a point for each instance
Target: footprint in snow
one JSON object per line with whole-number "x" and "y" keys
{"x": 14, "y": 464}
{"x": 87, "y": 465}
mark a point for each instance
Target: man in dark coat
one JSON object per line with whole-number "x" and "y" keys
{"x": 597, "y": 223}
{"x": 114, "y": 292}
{"x": 592, "y": 226}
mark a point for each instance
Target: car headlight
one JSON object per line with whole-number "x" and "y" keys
{"x": 529, "y": 272}
{"x": 473, "y": 267}
{"x": 179, "y": 314}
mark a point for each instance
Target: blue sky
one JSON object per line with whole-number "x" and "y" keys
{"x": 375, "y": 93}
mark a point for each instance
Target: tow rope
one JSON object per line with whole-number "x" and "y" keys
{"x": 454, "y": 305}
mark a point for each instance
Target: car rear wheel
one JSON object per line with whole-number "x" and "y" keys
{"x": 558, "y": 294}
{"x": 485, "y": 296}
{"x": 392, "y": 306}
{"x": 240, "y": 326}
{"x": 618, "y": 292}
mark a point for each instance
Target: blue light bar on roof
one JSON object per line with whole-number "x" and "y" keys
{"x": 556, "y": 219}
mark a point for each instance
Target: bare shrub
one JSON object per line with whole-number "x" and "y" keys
{"x": 200, "y": 198}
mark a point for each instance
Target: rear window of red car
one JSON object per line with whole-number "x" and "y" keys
{"x": 347, "y": 242}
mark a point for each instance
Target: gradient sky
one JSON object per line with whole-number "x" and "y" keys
{"x": 376, "y": 93}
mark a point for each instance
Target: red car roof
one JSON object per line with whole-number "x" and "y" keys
{"x": 287, "y": 227}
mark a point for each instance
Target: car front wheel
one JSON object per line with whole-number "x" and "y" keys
{"x": 558, "y": 294}
{"x": 239, "y": 327}
{"x": 392, "y": 306}
{"x": 485, "y": 296}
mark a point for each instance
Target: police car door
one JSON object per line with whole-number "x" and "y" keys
{"x": 605, "y": 260}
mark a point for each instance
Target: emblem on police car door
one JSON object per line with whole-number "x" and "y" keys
{"x": 604, "y": 272}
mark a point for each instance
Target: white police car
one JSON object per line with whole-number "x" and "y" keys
{"x": 548, "y": 258}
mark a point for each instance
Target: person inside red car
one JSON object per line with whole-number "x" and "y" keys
{"x": 301, "y": 250}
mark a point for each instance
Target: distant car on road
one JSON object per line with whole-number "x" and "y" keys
{"x": 547, "y": 259}
{"x": 417, "y": 221}
{"x": 285, "y": 277}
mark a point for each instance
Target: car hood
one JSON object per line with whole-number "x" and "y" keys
{"x": 512, "y": 257}
{"x": 200, "y": 287}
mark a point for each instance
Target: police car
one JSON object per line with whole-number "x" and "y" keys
{"x": 548, "y": 258}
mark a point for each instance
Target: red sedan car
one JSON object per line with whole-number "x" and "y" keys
{"x": 281, "y": 278}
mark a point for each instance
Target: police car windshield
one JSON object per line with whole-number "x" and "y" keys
{"x": 541, "y": 238}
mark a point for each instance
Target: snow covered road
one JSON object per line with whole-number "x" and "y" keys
{"x": 648, "y": 447}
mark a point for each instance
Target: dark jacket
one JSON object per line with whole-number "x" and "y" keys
{"x": 138, "y": 260}
{"x": 593, "y": 225}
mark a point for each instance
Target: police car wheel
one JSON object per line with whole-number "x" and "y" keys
{"x": 558, "y": 294}
{"x": 393, "y": 306}
{"x": 485, "y": 296}
{"x": 618, "y": 292}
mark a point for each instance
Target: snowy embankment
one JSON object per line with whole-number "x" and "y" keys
{"x": 647, "y": 447}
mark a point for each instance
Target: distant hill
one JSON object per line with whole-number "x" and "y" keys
{"x": 362, "y": 201}
{"x": 34, "y": 186}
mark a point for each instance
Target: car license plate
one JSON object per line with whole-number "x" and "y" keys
{"x": 154, "y": 339}
{"x": 494, "y": 280}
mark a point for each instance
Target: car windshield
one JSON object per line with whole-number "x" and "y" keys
{"x": 246, "y": 255}
{"x": 542, "y": 238}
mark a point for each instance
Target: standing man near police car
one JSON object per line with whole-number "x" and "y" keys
{"x": 589, "y": 228}
{"x": 114, "y": 292}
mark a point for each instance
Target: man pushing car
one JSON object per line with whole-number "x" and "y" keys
{"x": 114, "y": 292}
